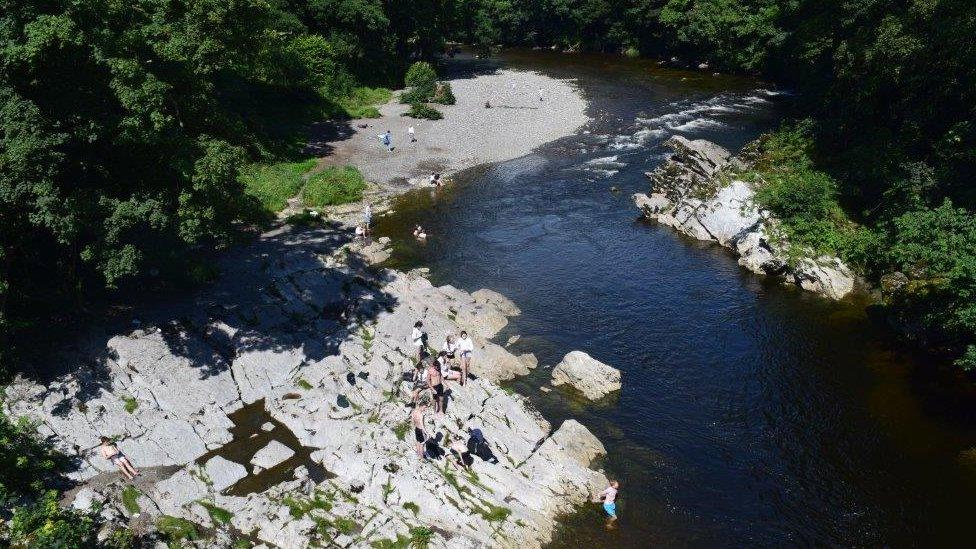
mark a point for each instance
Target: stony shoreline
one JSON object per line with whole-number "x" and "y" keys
{"x": 300, "y": 347}
{"x": 696, "y": 193}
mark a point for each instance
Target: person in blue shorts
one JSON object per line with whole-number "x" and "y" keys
{"x": 609, "y": 498}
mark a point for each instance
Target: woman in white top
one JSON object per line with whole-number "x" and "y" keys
{"x": 466, "y": 348}
{"x": 417, "y": 338}
{"x": 445, "y": 365}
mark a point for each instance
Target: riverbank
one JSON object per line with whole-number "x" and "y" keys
{"x": 467, "y": 136}
{"x": 271, "y": 408}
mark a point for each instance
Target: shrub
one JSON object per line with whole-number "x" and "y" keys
{"x": 176, "y": 529}
{"x": 334, "y": 185}
{"x": 419, "y": 110}
{"x": 45, "y": 525}
{"x": 422, "y": 78}
{"x": 130, "y": 495}
{"x": 444, "y": 94}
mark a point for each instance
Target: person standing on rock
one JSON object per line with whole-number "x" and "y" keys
{"x": 419, "y": 432}
{"x": 465, "y": 347}
{"x": 436, "y": 382}
{"x": 609, "y": 497}
{"x": 112, "y": 453}
{"x": 419, "y": 339}
{"x": 367, "y": 217}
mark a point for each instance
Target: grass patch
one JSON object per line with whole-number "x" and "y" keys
{"x": 334, "y": 185}
{"x": 345, "y": 525}
{"x": 129, "y": 496}
{"x": 176, "y": 529}
{"x": 130, "y": 404}
{"x": 412, "y": 507}
{"x": 401, "y": 542}
{"x": 494, "y": 513}
{"x": 273, "y": 184}
{"x": 304, "y": 384}
{"x": 420, "y": 537}
{"x": 400, "y": 430}
{"x": 218, "y": 515}
{"x": 361, "y": 102}
{"x": 298, "y": 508}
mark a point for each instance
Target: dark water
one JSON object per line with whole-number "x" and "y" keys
{"x": 751, "y": 414}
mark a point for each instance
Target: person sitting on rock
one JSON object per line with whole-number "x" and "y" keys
{"x": 419, "y": 381}
{"x": 112, "y": 453}
{"x": 419, "y": 431}
{"x": 445, "y": 364}
{"x": 419, "y": 233}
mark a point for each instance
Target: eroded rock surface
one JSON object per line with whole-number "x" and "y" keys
{"x": 689, "y": 194}
{"x": 302, "y": 328}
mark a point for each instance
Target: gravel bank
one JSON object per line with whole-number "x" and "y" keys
{"x": 468, "y": 135}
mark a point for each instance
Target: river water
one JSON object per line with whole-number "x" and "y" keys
{"x": 751, "y": 413}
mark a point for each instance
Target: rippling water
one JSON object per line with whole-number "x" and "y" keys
{"x": 751, "y": 413}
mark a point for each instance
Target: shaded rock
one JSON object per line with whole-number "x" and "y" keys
{"x": 590, "y": 376}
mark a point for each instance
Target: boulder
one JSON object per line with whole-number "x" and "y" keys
{"x": 223, "y": 473}
{"x": 578, "y": 442}
{"x": 496, "y": 300}
{"x": 271, "y": 455}
{"x": 590, "y": 376}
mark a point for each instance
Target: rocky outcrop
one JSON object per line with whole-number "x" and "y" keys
{"x": 695, "y": 194}
{"x": 590, "y": 376}
{"x": 297, "y": 356}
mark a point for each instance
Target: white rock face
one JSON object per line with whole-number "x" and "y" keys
{"x": 592, "y": 377}
{"x": 686, "y": 194}
{"x": 298, "y": 307}
{"x": 223, "y": 473}
{"x": 271, "y": 455}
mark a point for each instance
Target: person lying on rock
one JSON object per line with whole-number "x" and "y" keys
{"x": 112, "y": 453}
{"x": 419, "y": 432}
{"x": 462, "y": 457}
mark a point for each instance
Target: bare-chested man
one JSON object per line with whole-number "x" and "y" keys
{"x": 436, "y": 383}
{"x": 420, "y": 433}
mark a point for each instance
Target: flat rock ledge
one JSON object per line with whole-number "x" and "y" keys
{"x": 688, "y": 194}
{"x": 588, "y": 375}
{"x": 301, "y": 328}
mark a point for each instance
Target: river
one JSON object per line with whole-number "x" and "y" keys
{"x": 751, "y": 413}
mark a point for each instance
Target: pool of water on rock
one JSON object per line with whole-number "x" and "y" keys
{"x": 249, "y": 437}
{"x": 751, "y": 414}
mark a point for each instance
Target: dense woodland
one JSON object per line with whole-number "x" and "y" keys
{"x": 129, "y": 130}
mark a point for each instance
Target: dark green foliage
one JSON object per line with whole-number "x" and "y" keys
{"x": 420, "y": 110}
{"x": 27, "y": 466}
{"x": 176, "y": 529}
{"x": 333, "y": 185}
{"x": 45, "y": 525}
{"x": 422, "y": 78}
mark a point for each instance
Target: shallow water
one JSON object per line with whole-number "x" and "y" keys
{"x": 751, "y": 413}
